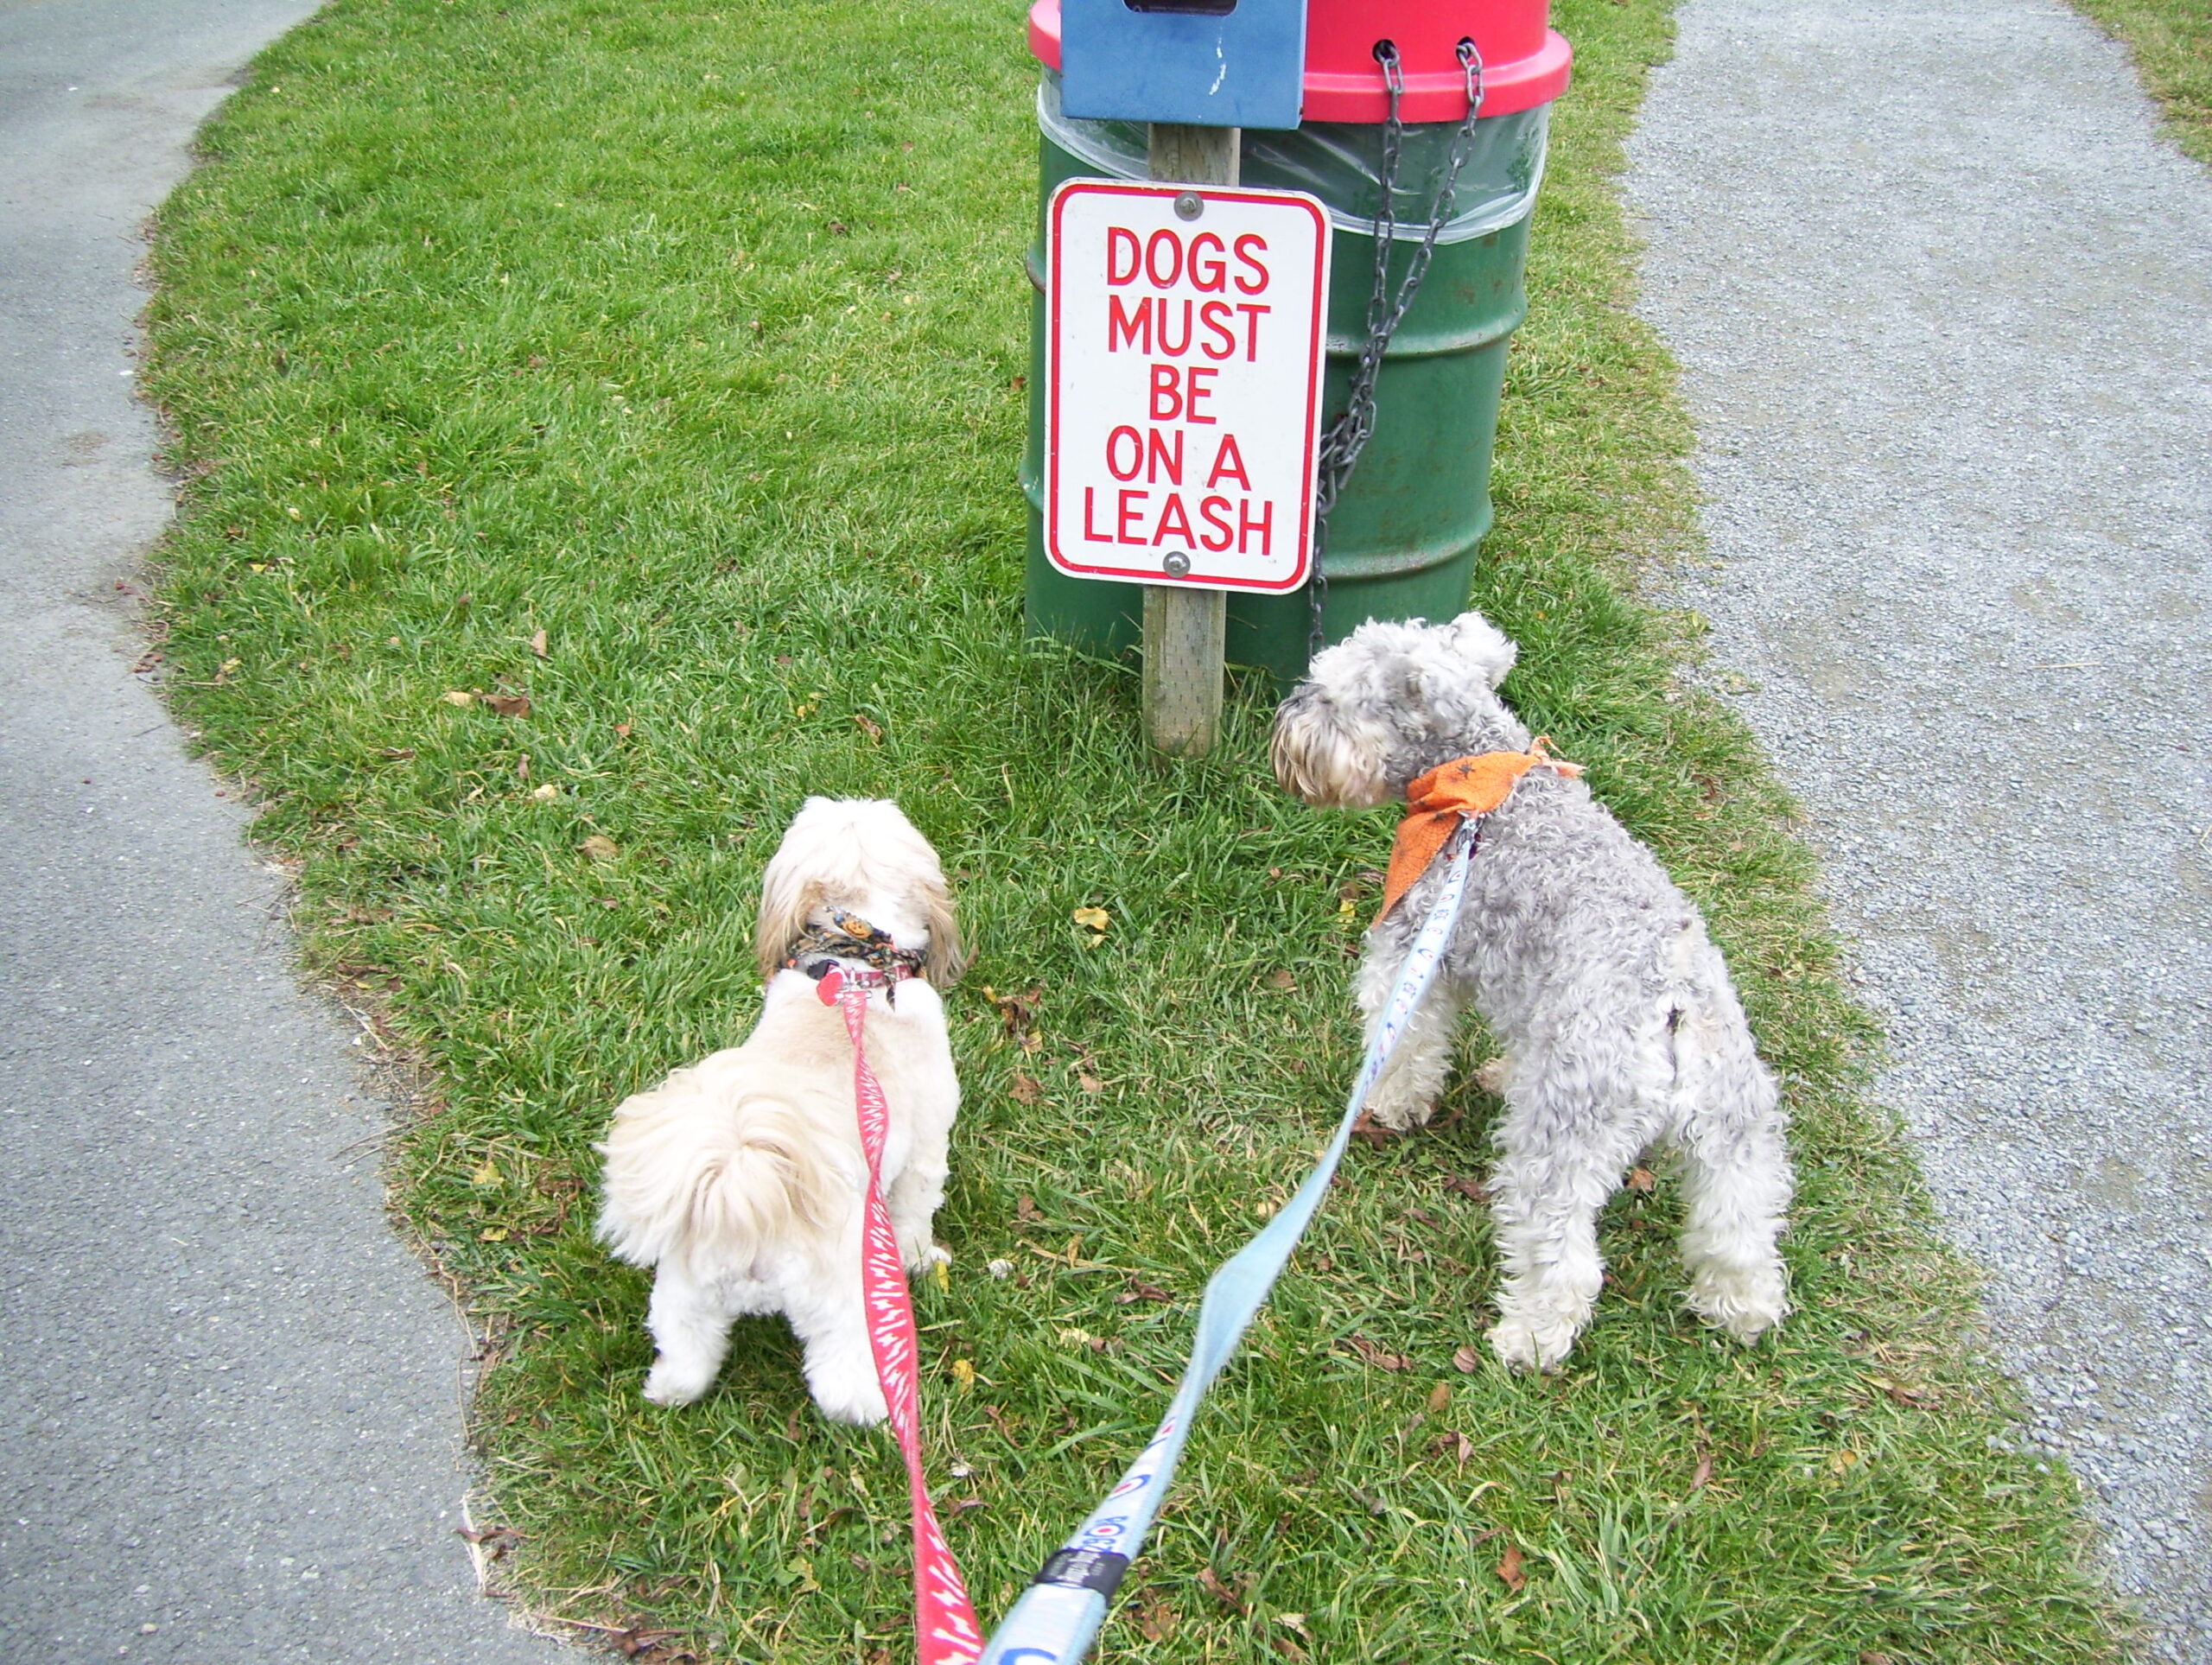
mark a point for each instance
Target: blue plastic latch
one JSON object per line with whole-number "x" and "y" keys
{"x": 1209, "y": 63}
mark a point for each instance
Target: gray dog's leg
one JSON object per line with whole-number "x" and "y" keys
{"x": 1405, "y": 1096}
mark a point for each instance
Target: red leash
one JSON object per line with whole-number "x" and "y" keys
{"x": 945, "y": 1631}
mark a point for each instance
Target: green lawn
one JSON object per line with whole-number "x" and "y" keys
{"x": 663, "y": 365}
{"x": 2172, "y": 43}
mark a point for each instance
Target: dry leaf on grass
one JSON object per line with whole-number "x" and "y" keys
{"x": 489, "y": 1174}
{"x": 1466, "y": 1360}
{"x": 1026, "y": 1209}
{"x": 546, "y": 793}
{"x": 1640, "y": 1180}
{"x": 1139, "y": 1290}
{"x": 1380, "y": 1357}
{"x": 600, "y": 847}
{"x": 1024, "y": 1088}
{"x": 1508, "y": 1569}
{"x": 1439, "y": 1398}
{"x": 1093, "y": 919}
{"x": 1282, "y": 979}
{"x": 509, "y": 705}
{"x": 1089, "y": 1083}
{"x": 1702, "y": 1473}
{"x": 458, "y": 696}
{"x": 1155, "y": 1619}
{"x": 1469, "y": 1187}
{"x": 1230, "y": 1598}
{"x": 868, "y": 724}
{"x": 537, "y": 645}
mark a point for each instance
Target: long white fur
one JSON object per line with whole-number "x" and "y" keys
{"x": 1619, "y": 1023}
{"x": 741, "y": 1180}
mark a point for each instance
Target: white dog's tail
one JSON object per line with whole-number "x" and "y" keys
{"x": 725, "y": 1183}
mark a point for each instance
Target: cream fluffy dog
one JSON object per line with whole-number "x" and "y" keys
{"x": 742, "y": 1179}
{"x": 1620, "y": 1026}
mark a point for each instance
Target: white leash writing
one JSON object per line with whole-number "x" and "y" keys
{"x": 945, "y": 1629}
{"x": 1058, "y": 1616}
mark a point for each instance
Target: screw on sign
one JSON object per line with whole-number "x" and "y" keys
{"x": 1184, "y": 348}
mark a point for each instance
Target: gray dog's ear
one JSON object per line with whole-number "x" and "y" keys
{"x": 1484, "y": 646}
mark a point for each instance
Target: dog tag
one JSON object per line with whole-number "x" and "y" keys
{"x": 830, "y": 985}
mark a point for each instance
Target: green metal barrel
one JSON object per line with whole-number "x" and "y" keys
{"x": 1403, "y": 541}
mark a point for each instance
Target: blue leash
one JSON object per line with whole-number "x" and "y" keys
{"x": 1057, "y": 1617}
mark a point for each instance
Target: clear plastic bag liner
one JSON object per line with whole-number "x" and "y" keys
{"x": 1341, "y": 163}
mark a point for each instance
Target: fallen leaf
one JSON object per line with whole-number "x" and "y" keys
{"x": 1282, "y": 979}
{"x": 458, "y": 696}
{"x": 1465, "y": 1447}
{"x": 1231, "y": 1599}
{"x": 600, "y": 847}
{"x": 1026, "y": 1210}
{"x": 1287, "y": 1649}
{"x": 621, "y": 731}
{"x": 1440, "y": 1399}
{"x": 492, "y": 1234}
{"x": 941, "y": 1273}
{"x": 1842, "y": 1462}
{"x": 489, "y": 1174}
{"x": 1640, "y": 1180}
{"x": 963, "y": 1372}
{"x": 1139, "y": 1290}
{"x": 1467, "y": 1360}
{"x": 552, "y": 788}
{"x": 1024, "y": 1088}
{"x": 509, "y": 705}
{"x": 1379, "y": 1357}
{"x": 537, "y": 645}
{"x": 1155, "y": 1619}
{"x": 1089, "y": 1083}
{"x": 1093, "y": 919}
{"x": 522, "y": 768}
{"x": 1469, "y": 1187}
{"x": 1017, "y": 1012}
{"x": 873, "y": 729}
{"x": 1296, "y": 1622}
{"x": 1508, "y": 1569}
{"x": 1369, "y": 1131}
{"x": 1702, "y": 1473}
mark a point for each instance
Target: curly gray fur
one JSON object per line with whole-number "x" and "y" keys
{"x": 1620, "y": 1026}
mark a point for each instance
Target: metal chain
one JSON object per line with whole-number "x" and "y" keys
{"x": 1348, "y": 434}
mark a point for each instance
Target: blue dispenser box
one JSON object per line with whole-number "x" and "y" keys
{"x": 1206, "y": 63}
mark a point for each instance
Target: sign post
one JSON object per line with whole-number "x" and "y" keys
{"x": 1184, "y": 345}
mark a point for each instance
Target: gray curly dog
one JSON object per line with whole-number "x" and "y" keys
{"x": 1620, "y": 1024}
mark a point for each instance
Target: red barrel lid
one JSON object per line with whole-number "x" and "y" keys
{"x": 1525, "y": 62}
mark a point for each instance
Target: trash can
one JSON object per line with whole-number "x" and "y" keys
{"x": 1402, "y": 540}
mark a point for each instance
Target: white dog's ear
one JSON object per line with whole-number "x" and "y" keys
{"x": 1482, "y": 645}
{"x": 786, "y": 899}
{"x": 948, "y": 956}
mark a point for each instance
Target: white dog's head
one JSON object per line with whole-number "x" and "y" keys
{"x": 863, "y": 856}
{"x": 1389, "y": 702}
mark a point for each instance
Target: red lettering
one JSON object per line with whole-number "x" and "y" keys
{"x": 1136, "y": 453}
{"x": 1091, "y": 533}
{"x": 1128, "y": 512}
{"x": 1159, "y": 460}
{"x": 1211, "y": 509}
{"x": 1252, "y": 315}
{"x": 1246, "y": 525}
{"x": 1175, "y": 519}
{"x": 1208, "y": 272}
{"x": 1120, "y": 239}
{"x": 1193, "y": 392}
{"x": 1228, "y": 464}
{"x": 1166, "y": 393}
{"x": 1174, "y": 245}
{"x": 1124, "y": 329}
{"x": 1176, "y": 349}
{"x": 1214, "y": 317}
{"x": 1259, "y": 285}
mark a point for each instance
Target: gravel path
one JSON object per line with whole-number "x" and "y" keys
{"x": 1943, "y": 303}
{"x": 230, "y": 1401}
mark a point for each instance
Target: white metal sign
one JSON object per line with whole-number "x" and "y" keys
{"x": 1184, "y": 356}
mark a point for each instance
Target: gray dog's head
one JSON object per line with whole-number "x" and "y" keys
{"x": 1390, "y": 701}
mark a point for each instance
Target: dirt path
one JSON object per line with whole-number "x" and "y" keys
{"x": 1943, "y": 302}
{"x": 230, "y": 1401}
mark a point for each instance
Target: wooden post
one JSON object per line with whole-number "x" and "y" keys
{"x": 1184, "y": 629}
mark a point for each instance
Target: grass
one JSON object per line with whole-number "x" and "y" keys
{"x": 663, "y": 365}
{"x": 2172, "y": 43}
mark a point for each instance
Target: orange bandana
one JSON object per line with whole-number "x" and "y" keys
{"x": 1434, "y": 802}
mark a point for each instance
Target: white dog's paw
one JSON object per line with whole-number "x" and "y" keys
{"x": 1745, "y": 1302}
{"x": 925, "y": 1256}
{"x": 856, "y": 1400}
{"x": 1393, "y": 1106}
{"x": 1535, "y": 1335}
{"x": 667, "y": 1385}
